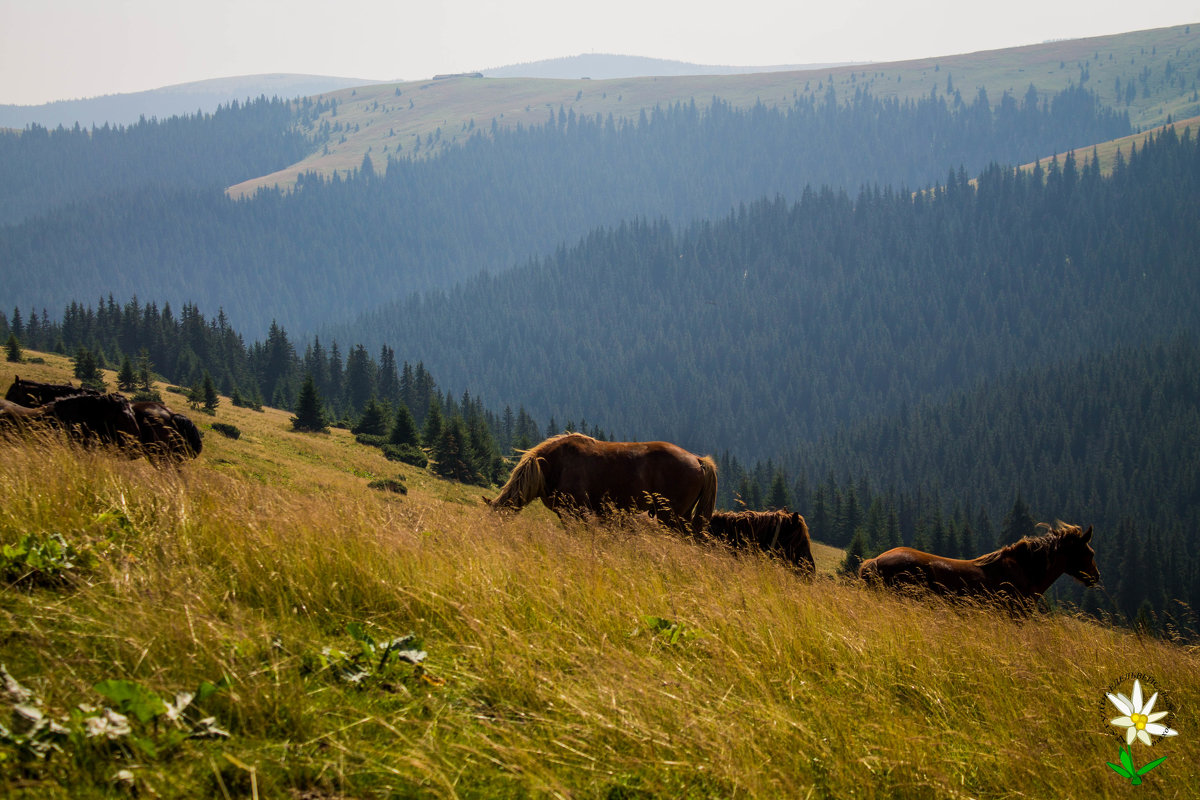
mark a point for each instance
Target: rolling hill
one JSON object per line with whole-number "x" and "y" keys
{"x": 182, "y": 99}
{"x": 1148, "y": 74}
{"x": 240, "y": 627}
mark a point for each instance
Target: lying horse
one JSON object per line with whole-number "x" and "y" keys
{"x": 1022, "y": 571}
{"x": 770, "y": 531}
{"x": 88, "y": 418}
{"x": 575, "y": 474}
{"x": 162, "y": 433}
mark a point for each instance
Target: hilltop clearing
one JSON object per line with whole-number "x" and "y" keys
{"x": 1150, "y": 74}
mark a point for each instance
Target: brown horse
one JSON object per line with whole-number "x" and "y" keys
{"x": 88, "y": 418}
{"x": 575, "y": 474}
{"x": 1022, "y": 571}
{"x": 770, "y": 531}
{"x": 162, "y": 433}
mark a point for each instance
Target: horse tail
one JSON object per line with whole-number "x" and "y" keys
{"x": 525, "y": 484}
{"x": 190, "y": 433}
{"x": 706, "y": 502}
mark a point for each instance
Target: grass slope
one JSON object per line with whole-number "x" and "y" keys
{"x": 387, "y": 119}
{"x": 562, "y": 661}
{"x": 1107, "y": 151}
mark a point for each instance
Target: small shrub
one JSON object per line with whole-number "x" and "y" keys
{"x": 389, "y": 485}
{"x": 225, "y": 429}
{"x": 371, "y": 440}
{"x": 405, "y": 454}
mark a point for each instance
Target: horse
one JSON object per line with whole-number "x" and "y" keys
{"x": 162, "y": 433}
{"x": 574, "y": 474}
{"x": 1021, "y": 571}
{"x": 770, "y": 531}
{"x": 35, "y": 393}
{"x": 166, "y": 434}
{"x": 88, "y": 418}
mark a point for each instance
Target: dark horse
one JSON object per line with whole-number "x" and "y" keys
{"x": 770, "y": 531}
{"x": 575, "y": 474}
{"x": 1021, "y": 571}
{"x": 162, "y": 433}
{"x": 88, "y": 418}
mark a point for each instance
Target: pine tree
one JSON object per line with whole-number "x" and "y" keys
{"x": 433, "y": 425}
{"x": 208, "y": 394}
{"x": 404, "y": 430}
{"x": 126, "y": 378}
{"x": 88, "y": 371}
{"x": 1018, "y": 523}
{"x": 13, "y": 349}
{"x": 310, "y": 416}
{"x": 856, "y": 551}
{"x": 451, "y": 452}
{"x": 373, "y": 421}
{"x": 144, "y": 390}
{"x": 778, "y": 496}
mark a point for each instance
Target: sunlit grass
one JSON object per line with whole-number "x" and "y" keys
{"x": 547, "y": 673}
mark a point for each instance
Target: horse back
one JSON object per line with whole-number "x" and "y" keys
{"x": 905, "y": 566}
{"x": 642, "y": 475}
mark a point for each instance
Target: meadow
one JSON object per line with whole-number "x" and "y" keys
{"x": 545, "y": 660}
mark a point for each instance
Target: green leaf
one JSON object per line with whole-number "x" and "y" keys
{"x": 132, "y": 698}
{"x": 1120, "y": 770}
{"x": 1127, "y": 759}
{"x": 1151, "y": 765}
{"x": 206, "y": 690}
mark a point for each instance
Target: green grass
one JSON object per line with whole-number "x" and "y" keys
{"x": 374, "y": 119}
{"x": 562, "y": 661}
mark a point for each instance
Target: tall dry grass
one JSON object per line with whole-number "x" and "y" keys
{"x": 548, "y": 671}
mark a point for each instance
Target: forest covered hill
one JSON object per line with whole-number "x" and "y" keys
{"x": 785, "y": 319}
{"x": 338, "y": 247}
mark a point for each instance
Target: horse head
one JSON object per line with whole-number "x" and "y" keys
{"x": 1081, "y": 558}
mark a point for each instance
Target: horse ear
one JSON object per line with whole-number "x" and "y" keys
{"x": 1087, "y": 535}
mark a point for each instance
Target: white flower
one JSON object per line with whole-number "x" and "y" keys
{"x": 1137, "y": 718}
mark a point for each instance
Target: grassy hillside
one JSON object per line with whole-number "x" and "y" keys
{"x": 1107, "y": 151}
{"x": 561, "y": 661}
{"x": 382, "y": 120}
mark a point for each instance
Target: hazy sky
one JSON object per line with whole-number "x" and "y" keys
{"x": 66, "y": 49}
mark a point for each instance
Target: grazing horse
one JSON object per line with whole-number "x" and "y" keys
{"x": 575, "y": 474}
{"x": 162, "y": 433}
{"x": 88, "y": 418}
{"x": 166, "y": 434}
{"x": 1022, "y": 571}
{"x": 35, "y": 393}
{"x": 770, "y": 531}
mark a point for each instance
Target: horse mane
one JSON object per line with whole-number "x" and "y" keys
{"x": 526, "y": 483}
{"x": 1030, "y": 547}
{"x": 753, "y": 518}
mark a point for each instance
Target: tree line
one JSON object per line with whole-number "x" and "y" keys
{"x": 387, "y": 402}
{"x": 43, "y": 169}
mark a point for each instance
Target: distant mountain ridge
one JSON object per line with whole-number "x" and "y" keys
{"x": 606, "y": 66}
{"x": 168, "y": 101}
{"x": 205, "y": 96}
